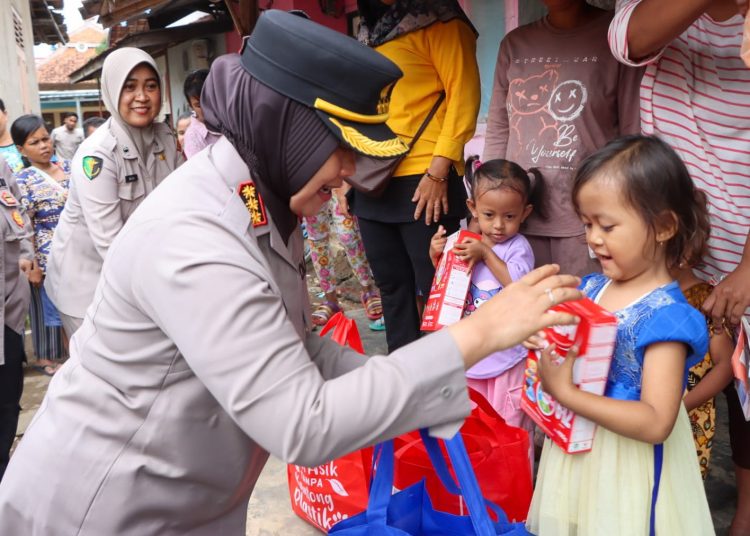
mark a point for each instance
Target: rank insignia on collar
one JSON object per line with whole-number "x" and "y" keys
{"x": 92, "y": 166}
{"x": 253, "y": 202}
{"x": 17, "y": 218}
{"x": 7, "y": 199}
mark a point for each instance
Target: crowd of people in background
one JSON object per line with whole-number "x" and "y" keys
{"x": 587, "y": 105}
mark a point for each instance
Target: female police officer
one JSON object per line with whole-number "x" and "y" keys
{"x": 114, "y": 169}
{"x": 195, "y": 359}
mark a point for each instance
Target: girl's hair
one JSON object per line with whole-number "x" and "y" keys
{"x": 654, "y": 182}
{"x": 497, "y": 174}
{"x": 194, "y": 84}
{"x": 23, "y": 127}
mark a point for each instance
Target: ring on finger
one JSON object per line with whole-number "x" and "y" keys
{"x": 550, "y": 295}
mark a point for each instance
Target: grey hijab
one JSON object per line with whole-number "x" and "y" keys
{"x": 117, "y": 66}
{"x": 283, "y": 142}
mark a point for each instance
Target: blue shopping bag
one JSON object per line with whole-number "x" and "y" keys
{"x": 409, "y": 512}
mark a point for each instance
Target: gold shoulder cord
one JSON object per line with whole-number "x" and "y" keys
{"x": 393, "y": 147}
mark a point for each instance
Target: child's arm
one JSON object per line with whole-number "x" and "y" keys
{"x": 650, "y": 419}
{"x": 498, "y": 267}
{"x": 437, "y": 245}
{"x": 718, "y": 377}
{"x": 472, "y": 251}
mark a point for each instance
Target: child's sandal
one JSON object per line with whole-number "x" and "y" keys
{"x": 372, "y": 304}
{"x": 323, "y": 312}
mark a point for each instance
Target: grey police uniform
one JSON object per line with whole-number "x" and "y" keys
{"x": 109, "y": 180}
{"x": 16, "y": 231}
{"x": 194, "y": 362}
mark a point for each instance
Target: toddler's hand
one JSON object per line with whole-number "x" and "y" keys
{"x": 437, "y": 245}
{"x": 557, "y": 378}
{"x": 535, "y": 342}
{"x": 470, "y": 251}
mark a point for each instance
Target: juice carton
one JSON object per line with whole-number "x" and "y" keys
{"x": 445, "y": 304}
{"x": 595, "y": 337}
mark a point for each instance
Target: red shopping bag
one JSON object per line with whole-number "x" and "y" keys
{"x": 345, "y": 332}
{"x": 324, "y": 495}
{"x": 499, "y": 454}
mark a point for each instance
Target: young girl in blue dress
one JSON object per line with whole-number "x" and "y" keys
{"x": 642, "y": 215}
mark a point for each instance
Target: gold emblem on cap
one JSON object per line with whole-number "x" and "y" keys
{"x": 386, "y": 148}
{"x": 385, "y": 99}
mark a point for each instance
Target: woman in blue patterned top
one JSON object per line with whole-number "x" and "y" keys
{"x": 44, "y": 189}
{"x": 642, "y": 216}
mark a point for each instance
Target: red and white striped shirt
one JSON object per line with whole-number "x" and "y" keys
{"x": 696, "y": 96}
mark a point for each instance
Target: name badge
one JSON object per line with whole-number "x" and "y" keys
{"x": 131, "y": 178}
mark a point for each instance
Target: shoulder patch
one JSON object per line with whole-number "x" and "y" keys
{"x": 18, "y": 218}
{"x": 7, "y": 199}
{"x": 253, "y": 202}
{"x": 92, "y": 166}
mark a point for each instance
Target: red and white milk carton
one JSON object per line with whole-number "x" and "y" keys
{"x": 595, "y": 335}
{"x": 445, "y": 304}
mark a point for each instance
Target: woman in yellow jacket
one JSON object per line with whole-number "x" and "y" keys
{"x": 434, "y": 44}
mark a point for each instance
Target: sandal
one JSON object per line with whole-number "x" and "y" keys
{"x": 377, "y": 325}
{"x": 372, "y": 304}
{"x": 47, "y": 370}
{"x": 324, "y": 311}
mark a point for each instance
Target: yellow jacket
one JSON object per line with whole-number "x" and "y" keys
{"x": 439, "y": 57}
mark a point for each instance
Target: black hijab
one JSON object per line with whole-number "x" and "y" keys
{"x": 284, "y": 143}
{"x": 382, "y": 23}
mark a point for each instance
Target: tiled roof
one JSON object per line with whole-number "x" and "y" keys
{"x": 66, "y": 59}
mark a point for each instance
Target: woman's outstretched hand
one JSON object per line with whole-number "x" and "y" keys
{"x": 516, "y": 313}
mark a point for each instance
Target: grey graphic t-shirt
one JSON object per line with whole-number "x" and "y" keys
{"x": 558, "y": 96}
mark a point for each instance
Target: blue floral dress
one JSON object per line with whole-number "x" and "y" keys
{"x": 43, "y": 198}
{"x": 610, "y": 489}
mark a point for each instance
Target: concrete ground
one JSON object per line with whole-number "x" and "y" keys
{"x": 269, "y": 512}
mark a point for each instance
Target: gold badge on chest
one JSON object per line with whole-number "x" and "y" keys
{"x": 253, "y": 202}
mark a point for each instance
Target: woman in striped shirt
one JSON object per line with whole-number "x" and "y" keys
{"x": 696, "y": 96}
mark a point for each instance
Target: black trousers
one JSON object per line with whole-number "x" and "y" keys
{"x": 11, "y": 387}
{"x": 398, "y": 254}
{"x": 398, "y": 249}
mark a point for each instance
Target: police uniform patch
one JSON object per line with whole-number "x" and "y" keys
{"x": 92, "y": 166}
{"x": 17, "y": 218}
{"x": 253, "y": 202}
{"x": 7, "y": 199}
